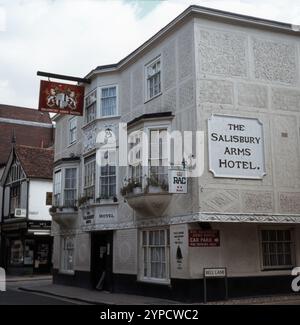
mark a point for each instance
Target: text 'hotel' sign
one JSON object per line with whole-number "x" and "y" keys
{"x": 236, "y": 147}
{"x": 61, "y": 98}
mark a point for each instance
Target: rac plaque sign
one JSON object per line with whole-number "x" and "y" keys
{"x": 236, "y": 147}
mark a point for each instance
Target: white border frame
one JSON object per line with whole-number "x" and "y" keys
{"x": 209, "y": 149}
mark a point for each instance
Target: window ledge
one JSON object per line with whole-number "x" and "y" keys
{"x": 100, "y": 118}
{"x": 155, "y": 281}
{"x": 71, "y": 144}
{"x": 269, "y": 269}
{"x": 148, "y": 100}
{"x": 105, "y": 202}
{"x": 86, "y": 125}
{"x": 66, "y": 272}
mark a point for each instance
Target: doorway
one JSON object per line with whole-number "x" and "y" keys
{"x": 102, "y": 260}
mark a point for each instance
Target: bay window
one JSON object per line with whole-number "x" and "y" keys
{"x": 108, "y": 174}
{"x": 158, "y": 156}
{"x": 70, "y": 189}
{"x": 89, "y": 177}
{"x": 57, "y": 188}
{"x": 91, "y": 107}
{"x": 135, "y": 156}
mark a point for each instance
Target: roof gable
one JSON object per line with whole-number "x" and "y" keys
{"x": 36, "y": 162}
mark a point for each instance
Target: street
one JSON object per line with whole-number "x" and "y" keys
{"x": 14, "y": 296}
{"x": 41, "y": 291}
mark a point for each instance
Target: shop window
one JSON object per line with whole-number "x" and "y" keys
{"x": 42, "y": 254}
{"x": 155, "y": 255}
{"x": 67, "y": 251}
{"x": 16, "y": 252}
{"x": 29, "y": 252}
{"x": 277, "y": 249}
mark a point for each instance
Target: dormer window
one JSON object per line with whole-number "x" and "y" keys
{"x": 153, "y": 79}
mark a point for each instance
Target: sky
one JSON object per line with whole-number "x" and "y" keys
{"x": 72, "y": 37}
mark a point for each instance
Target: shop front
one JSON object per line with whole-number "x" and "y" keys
{"x": 27, "y": 247}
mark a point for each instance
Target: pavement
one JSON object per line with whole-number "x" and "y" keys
{"x": 42, "y": 286}
{"x": 95, "y": 297}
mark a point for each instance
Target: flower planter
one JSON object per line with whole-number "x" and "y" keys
{"x": 150, "y": 204}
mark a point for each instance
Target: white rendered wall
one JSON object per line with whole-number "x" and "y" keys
{"x": 38, "y": 210}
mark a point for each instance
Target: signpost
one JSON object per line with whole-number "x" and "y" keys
{"x": 214, "y": 272}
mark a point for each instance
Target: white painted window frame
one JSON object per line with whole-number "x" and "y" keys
{"x": 62, "y": 169}
{"x": 147, "y": 91}
{"x": 62, "y": 255}
{"x": 100, "y": 100}
{"x": 141, "y": 276}
{"x": 72, "y": 119}
{"x": 293, "y": 249}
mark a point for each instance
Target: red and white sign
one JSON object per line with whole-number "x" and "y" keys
{"x": 204, "y": 238}
{"x": 61, "y": 98}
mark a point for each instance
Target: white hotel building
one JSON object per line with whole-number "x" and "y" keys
{"x": 235, "y": 78}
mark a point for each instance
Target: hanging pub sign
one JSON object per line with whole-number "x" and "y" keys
{"x": 61, "y": 98}
{"x": 204, "y": 238}
{"x": 236, "y": 147}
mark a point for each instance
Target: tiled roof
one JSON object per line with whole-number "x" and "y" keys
{"x": 25, "y": 134}
{"x": 23, "y": 113}
{"x": 36, "y": 162}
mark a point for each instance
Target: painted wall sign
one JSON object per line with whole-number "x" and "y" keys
{"x": 179, "y": 251}
{"x": 204, "y": 238}
{"x": 177, "y": 181}
{"x": 178, "y": 242}
{"x": 236, "y": 147}
{"x": 61, "y": 98}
